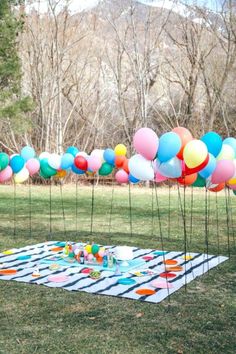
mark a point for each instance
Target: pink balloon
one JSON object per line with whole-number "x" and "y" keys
{"x": 146, "y": 143}
{"x": 90, "y": 257}
{"x": 101, "y": 253}
{"x": 160, "y": 178}
{"x": 121, "y": 176}
{"x": 6, "y": 174}
{"x": 224, "y": 171}
{"x": 94, "y": 163}
{"x": 32, "y": 166}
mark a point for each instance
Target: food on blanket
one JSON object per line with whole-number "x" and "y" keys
{"x": 187, "y": 257}
{"x": 124, "y": 253}
{"x": 36, "y": 273}
{"x": 126, "y": 281}
{"x": 170, "y": 262}
{"x": 54, "y": 266}
{"x": 8, "y": 271}
{"x": 161, "y": 284}
{"x": 148, "y": 258}
{"x": 86, "y": 270}
{"x": 145, "y": 292}
{"x": 174, "y": 269}
{"x": 95, "y": 274}
{"x": 56, "y": 249}
{"x": 143, "y": 272}
{"x": 167, "y": 275}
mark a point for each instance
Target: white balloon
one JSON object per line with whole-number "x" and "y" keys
{"x": 141, "y": 168}
{"x": 99, "y": 153}
{"x": 82, "y": 153}
{"x": 226, "y": 153}
{"x": 44, "y": 155}
{"x": 54, "y": 161}
{"x": 21, "y": 176}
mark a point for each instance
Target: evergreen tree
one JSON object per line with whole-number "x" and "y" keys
{"x": 12, "y": 105}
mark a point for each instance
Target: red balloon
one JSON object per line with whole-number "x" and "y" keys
{"x": 187, "y": 180}
{"x": 119, "y": 161}
{"x": 185, "y": 137}
{"x": 189, "y": 171}
{"x": 81, "y": 163}
{"x": 125, "y": 165}
{"x": 218, "y": 188}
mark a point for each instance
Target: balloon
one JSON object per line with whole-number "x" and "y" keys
{"x": 233, "y": 179}
{"x": 132, "y": 179}
{"x": 119, "y": 161}
{"x": 234, "y": 192}
{"x": 61, "y": 174}
{"x": 188, "y": 180}
{"x": 218, "y": 188}
{"x": 33, "y": 166}
{"x": 185, "y": 137}
{"x": 17, "y": 163}
{"x": 44, "y": 155}
{"x": 210, "y": 167}
{"x": 226, "y": 153}
{"x": 83, "y": 154}
{"x": 120, "y": 150}
{"x": 95, "y": 249}
{"x": 141, "y": 168}
{"x": 213, "y": 142}
{"x": 6, "y": 174}
{"x": 94, "y": 163}
{"x": 105, "y": 169}
{"x": 99, "y": 153}
{"x": 171, "y": 168}
{"x": 189, "y": 171}
{"x": 46, "y": 171}
{"x": 21, "y": 176}
{"x": 67, "y": 161}
{"x": 109, "y": 156}
{"x": 159, "y": 177}
{"x": 4, "y": 160}
{"x": 231, "y": 142}
{"x": 146, "y": 143}
{"x": 27, "y": 153}
{"x": 169, "y": 145}
{"x": 125, "y": 165}
{"x": 77, "y": 170}
{"x": 233, "y": 187}
{"x": 195, "y": 153}
{"x": 224, "y": 171}
{"x": 54, "y": 161}
{"x": 121, "y": 176}
{"x": 72, "y": 150}
{"x": 200, "y": 182}
{"x": 81, "y": 163}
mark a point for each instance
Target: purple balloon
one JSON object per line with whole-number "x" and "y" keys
{"x": 224, "y": 171}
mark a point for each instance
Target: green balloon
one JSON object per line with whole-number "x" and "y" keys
{"x": 43, "y": 175}
{"x": 234, "y": 192}
{"x": 46, "y": 170}
{"x": 4, "y": 160}
{"x": 200, "y": 182}
{"x": 106, "y": 169}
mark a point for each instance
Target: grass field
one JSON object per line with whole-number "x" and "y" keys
{"x": 36, "y": 319}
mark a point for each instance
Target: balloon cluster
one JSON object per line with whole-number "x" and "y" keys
{"x": 206, "y": 162}
{"x": 89, "y": 253}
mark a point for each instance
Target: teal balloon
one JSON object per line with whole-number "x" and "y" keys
{"x": 17, "y": 163}
{"x": 234, "y": 192}
{"x": 200, "y": 182}
{"x": 27, "y": 153}
{"x": 72, "y": 150}
{"x": 169, "y": 146}
{"x": 45, "y": 170}
{"x": 4, "y": 160}
{"x": 105, "y": 169}
{"x": 213, "y": 142}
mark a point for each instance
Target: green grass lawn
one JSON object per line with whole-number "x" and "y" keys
{"x": 37, "y": 319}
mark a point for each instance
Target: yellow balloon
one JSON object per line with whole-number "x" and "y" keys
{"x": 120, "y": 150}
{"x": 232, "y": 181}
{"x": 21, "y": 176}
{"x": 61, "y": 174}
{"x": 226, "y": 153}
{"x": 88, "y": 248}
{"x": 195, "y": 153}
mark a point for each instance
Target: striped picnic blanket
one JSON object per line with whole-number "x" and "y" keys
{"x": 21, "y": 264}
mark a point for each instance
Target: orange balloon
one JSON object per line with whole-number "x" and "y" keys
{"x": 218, "y": 188}
{"x": 125, "y": 165}
{"x": 99, "y": 259}
{"x": 119, "y": 161}
{"x": 61, "y": 174}
{"x": 185, "y": 137}
{"x": 187, "y": 180}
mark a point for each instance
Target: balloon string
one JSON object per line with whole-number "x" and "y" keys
{"x": 130, "y": 211}
{"x": 152, "y": 211}
{"x": 227, "y": 222}
{"x": 169, "y": 186}
{"x": 76, "y": 207}
{"x": 14, "y": 210}
{"x": 231, "y": 215}
{"x": 92, "y": 209}
{"x": 191, "y": 216}
{"x": 162, "y": 241}
{"x": 30, "y": 208}
{"x": 63, "y": 210}
{"x": 111, "y": 210}
{"x": 50, "y": 209}
{"x": 206, "y": 229}
{"x": 217, "y": 229}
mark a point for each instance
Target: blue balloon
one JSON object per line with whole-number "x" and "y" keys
{"x": 132, "y": 179}
{"x": 67, "y": 161}
{"x": 210, "y": 167}
{"x": 77, "y": 170}
{"x": 27, "y": 153}
{"x": 171, "y": 168}
{"x": 72, "y": 150}
{"x": 109, "y": 156}
{"x": 231, "y": 142}
{"x": 213, "y": 142}
{"x": 17, "y": 163}
{"x": 169, "y": 146}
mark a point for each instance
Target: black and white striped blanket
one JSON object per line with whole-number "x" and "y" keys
{"x": 108, "y": 283}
